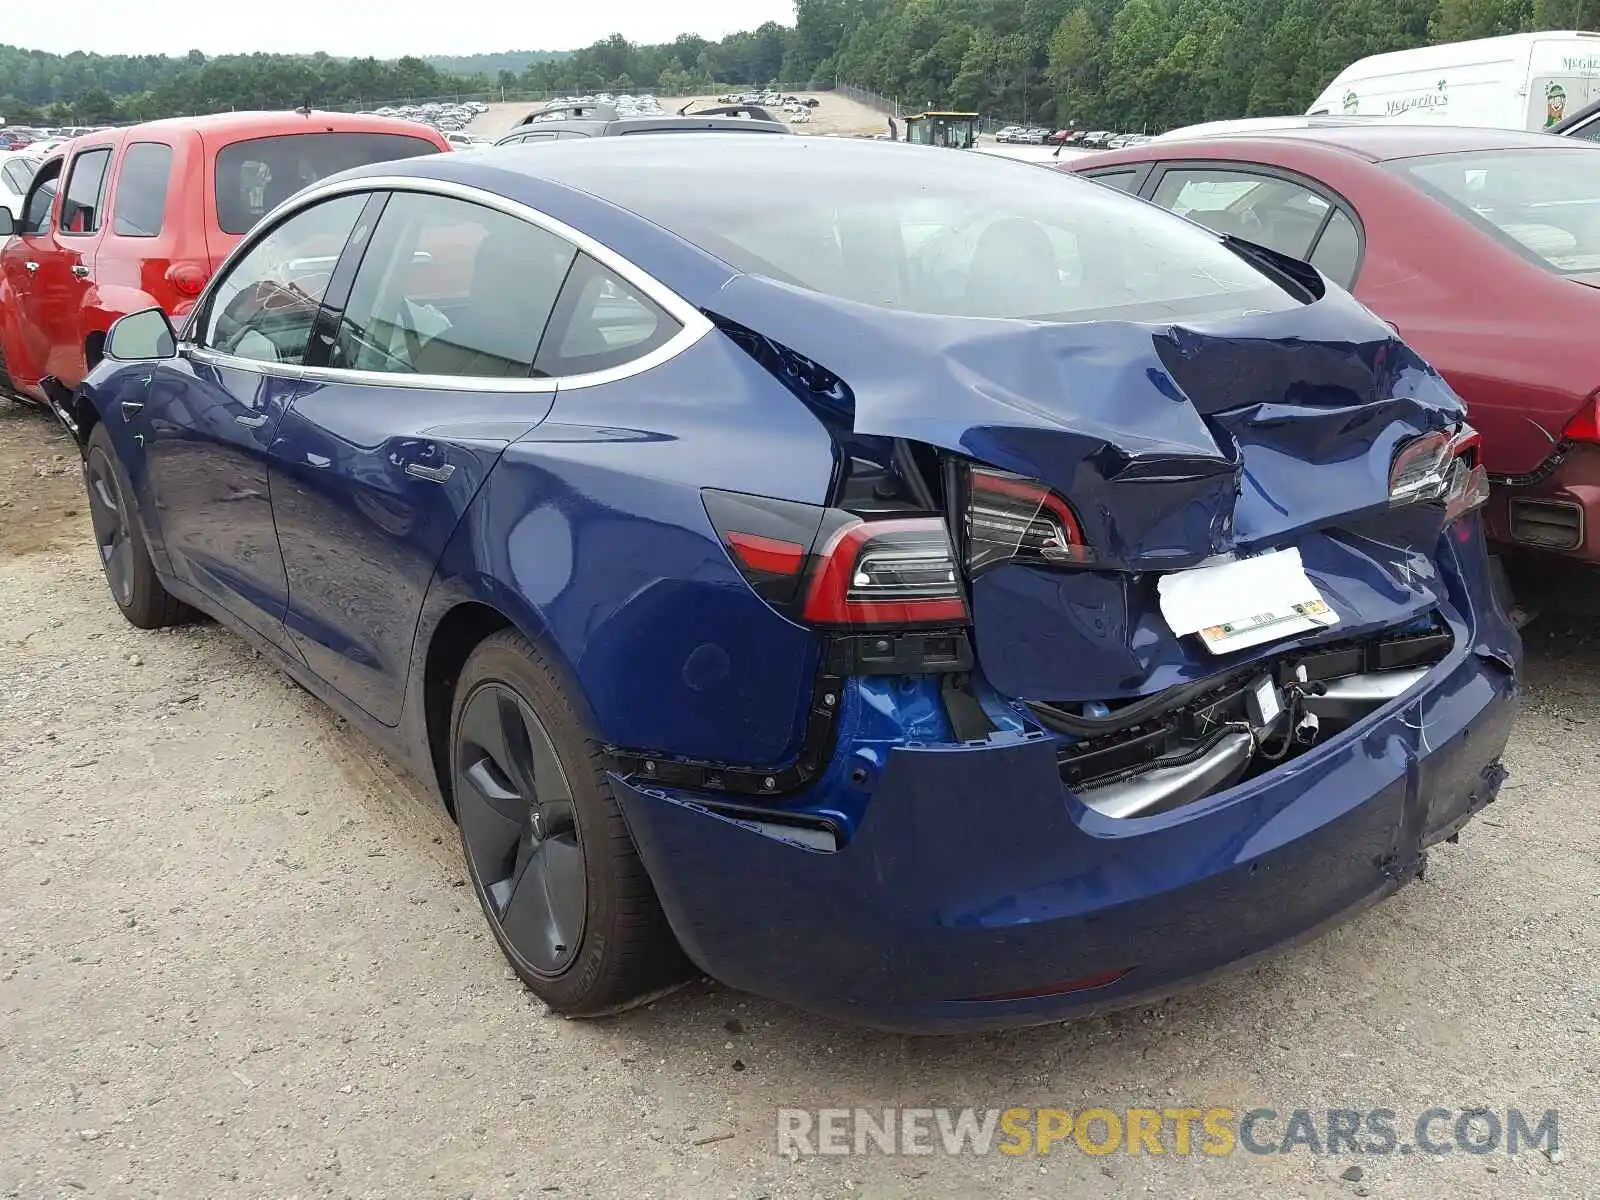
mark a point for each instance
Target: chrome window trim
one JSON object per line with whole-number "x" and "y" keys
{"x": 694, "y": 324}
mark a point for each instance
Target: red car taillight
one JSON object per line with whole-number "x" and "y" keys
{"x": 1440, "y": 467}
{"x": 1585, "y": 424}
{"x": 1010, "y": 518}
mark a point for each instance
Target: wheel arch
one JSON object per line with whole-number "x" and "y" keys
{"x": 466, "y": 622}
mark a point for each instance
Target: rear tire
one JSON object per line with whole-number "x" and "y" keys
{"x": 547, "y": 849}
{"x": 124, "y": 554}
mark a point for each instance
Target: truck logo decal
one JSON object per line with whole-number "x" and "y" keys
{"x": 1352, "y": 103}
{"x": 1429, "y": 101}
{"x": 1586, "y": 63}
{"x": 1555, "y": 103}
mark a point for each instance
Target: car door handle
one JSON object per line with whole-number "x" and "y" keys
{"x": 81, "y": 272}
{"x": 432, "y": 474}
{"x": 255, "y": 422}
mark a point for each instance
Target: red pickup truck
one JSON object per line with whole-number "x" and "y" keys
{"x": 128, "y": 219}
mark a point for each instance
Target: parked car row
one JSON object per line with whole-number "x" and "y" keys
{"x": 447, "y": 118}
{"x": 770, "y": 99}
{"x": 1087, "y": 139}
{"x": 722, "y": 564}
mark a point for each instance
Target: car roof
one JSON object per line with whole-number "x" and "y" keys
{"x": 1382, "y": 143}
{"x": 241, "y": 126}
{"x": 642, "y": 124}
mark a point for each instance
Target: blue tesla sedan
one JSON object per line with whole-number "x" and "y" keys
{"x": 909, "y": 584}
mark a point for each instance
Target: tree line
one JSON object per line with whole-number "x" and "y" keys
{"x": 1125, "y": 64}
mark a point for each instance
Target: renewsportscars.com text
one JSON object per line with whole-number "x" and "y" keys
{"x": 1168, "y": 1130}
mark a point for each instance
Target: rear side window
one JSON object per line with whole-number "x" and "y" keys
{"x": 1338, "y": 251}
{"x": 599, "y": 323}
{"x": 80, "y": 210}
{"x": 1589, "y": 131}
{"x": 140, "y": 203}
{"x": 256, "y": 176}
{"x": 447, "y": 287}
{"x": 1121, "y": 180}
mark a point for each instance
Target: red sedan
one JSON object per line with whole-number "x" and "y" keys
{"x": 1481, "y": 246}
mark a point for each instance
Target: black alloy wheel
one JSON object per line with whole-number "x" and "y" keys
{"x": 113, "y": 530}
{"x": 520, "y": 828}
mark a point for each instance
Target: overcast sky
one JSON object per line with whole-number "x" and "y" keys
{"x": 384, "y": 28}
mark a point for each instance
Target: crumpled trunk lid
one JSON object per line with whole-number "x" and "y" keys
{"x": 1175, "y": 444}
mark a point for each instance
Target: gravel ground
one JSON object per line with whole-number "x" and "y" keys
{"x": 237, "y": 958}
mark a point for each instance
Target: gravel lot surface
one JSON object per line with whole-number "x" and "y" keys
{"x": 237, "y": 959}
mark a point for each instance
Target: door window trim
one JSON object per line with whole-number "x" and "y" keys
{"x": 694, "y": 324}
{"x": 1159, "y": 169}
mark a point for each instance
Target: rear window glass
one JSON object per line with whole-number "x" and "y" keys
{"x": 1543, "y": 203}
{"x": 934, "y": 231}
{"x": 255, "y": 177}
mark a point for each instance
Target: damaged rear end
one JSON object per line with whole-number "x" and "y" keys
{"x": 1146, "y": 642}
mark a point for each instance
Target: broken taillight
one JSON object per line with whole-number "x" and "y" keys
{"x": 895, "y": 572}
{"x": 1010, "y": 518}
{"x": 1440, "y": 467}
{"x": 826, "y": 566}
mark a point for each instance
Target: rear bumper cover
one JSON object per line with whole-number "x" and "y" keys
{"x": 976, "y": 875}
{"x": 1563, "y": 500}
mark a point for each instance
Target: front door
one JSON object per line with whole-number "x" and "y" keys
{"x": 65, "y": 278}
{"x": 211, "y": 417}
{"x": 421, "y": 379}
{"x": 26, "y": 340}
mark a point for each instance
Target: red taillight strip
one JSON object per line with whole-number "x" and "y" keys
{"x": 828, "y": 598}
{"x": 773, "y": 555}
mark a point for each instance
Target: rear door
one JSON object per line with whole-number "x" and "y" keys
{"x": 65, "y": 278}
{"x": 422, "y": 376}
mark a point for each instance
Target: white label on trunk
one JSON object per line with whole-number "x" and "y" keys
{"x": 1239, "y": 604}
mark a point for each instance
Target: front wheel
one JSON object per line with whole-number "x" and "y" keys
{"x": 547, "y": 849}
{"x": 124, "y": 556}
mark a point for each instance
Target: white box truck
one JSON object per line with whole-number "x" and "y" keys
{"x": 1522, "y": 81}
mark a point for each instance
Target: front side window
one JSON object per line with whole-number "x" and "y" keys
{"x": 1544, "y": 203}
{"x": 255, "y": 176}
{"x": 263, "y": 309}
{"x": 448, "y": 287}
{"x": 1264, "y": 209}
{"x": 80, "y": 207}
{"x": 140, "y": 203}
{"x": 1589, "y": 131}
{"x": 41, "y": 199}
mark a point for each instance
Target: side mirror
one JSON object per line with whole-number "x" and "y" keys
{"x": 141, "y": 336}
{"x": 8, "y": 223}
